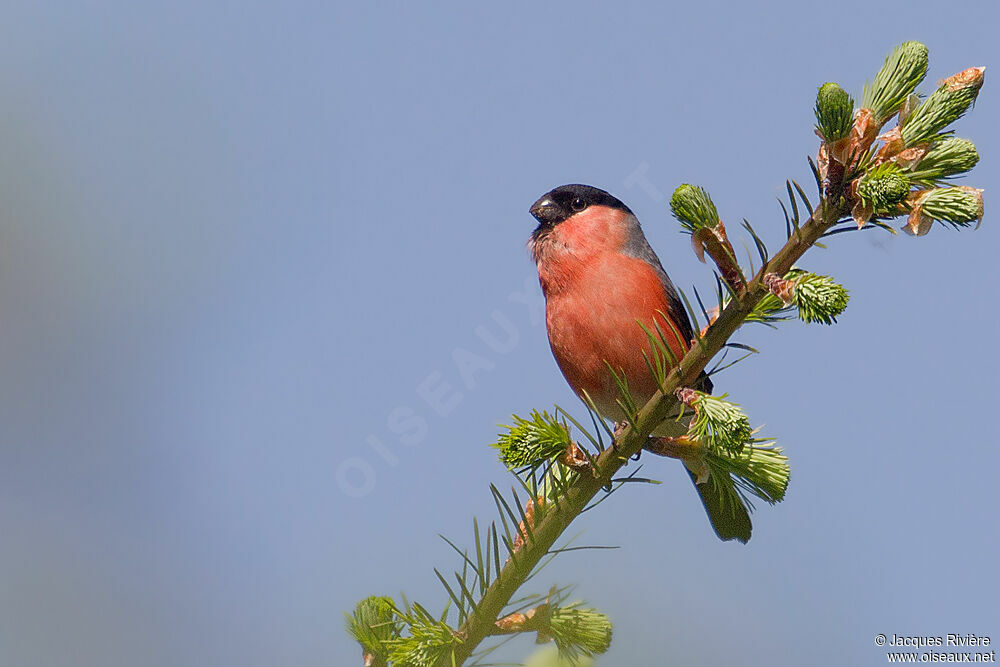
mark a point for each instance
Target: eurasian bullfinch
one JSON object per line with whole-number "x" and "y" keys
{"x": 601, "y": 279}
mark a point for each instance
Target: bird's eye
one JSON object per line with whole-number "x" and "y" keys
{"x": 578, "y": 205}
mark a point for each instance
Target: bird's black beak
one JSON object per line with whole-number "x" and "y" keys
{"x": 546, "y": 211}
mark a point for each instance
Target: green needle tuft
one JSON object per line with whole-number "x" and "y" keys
{"x": 883, "y": 187}
{"x": 819, "y": 299}
{"x": 374, "y": 623}
{"x": 719, "y": 423}
{"x": 945, "y": 105}
{"x": 834, "y": 112}
{"x": 759, "y": 470}
{"x": 958, "y": 206}
{"x": 904, "y": 68}
{"x": 694, "y": 208}
{"x": 578, "y": 631}
{"x": 530, "y": 442}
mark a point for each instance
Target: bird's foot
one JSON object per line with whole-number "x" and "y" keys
{"x": 689, "y": 450}
{"x": 619, "y": 428}
{"x": 680, "y": 447}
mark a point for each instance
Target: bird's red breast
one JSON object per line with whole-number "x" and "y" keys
{"x": 602, "y": 283}
{"x": 595, "y": 297}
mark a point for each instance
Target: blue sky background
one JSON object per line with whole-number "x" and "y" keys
{"x": 236, "y": 239}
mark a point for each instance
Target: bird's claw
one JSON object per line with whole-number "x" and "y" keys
{"x": 619, "y": 428}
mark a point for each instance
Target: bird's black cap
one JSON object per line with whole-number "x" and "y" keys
{"x": 565, "y": 201}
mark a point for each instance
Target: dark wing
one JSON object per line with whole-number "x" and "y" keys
{"x": 637, "y": 246}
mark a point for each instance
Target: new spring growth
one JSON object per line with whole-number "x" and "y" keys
{"x": 946, "y": 158}
{"x": 696, "y": 211}
{"x": 944, "y": 106}
{"x": 430, "y": 644}
{"x": 576, "y": 631}
{"x": 372, "y": 624}
{"x": 882, "y": 188}
{"x": 719, "y": 424}
{"x": 818, "y": 299}
{"x": 902, "y": 71}
{"x": 693, "y": 207}
{"x": 958, "y": 206}
{"x": 760, "y": 470}
{"x": 734, "y": 463}
{"x": 579, "y": 631}
{"x": 530, "y": 442}
{"x": 834, "y": 112}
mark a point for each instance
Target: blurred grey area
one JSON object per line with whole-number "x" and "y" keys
{"x": 134, "y": 278}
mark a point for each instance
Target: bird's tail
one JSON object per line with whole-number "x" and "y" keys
{"x": 704, "y": 383}
{"x": 731, "y": 522}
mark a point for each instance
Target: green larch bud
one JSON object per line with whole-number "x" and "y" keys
{"x": 429, "y": 644}
{"x": 719, "y": 423}
{"x": 532, "y": 441}
{"x": 902, "y": 71}
{"x": 579, "y": 631}
{"x": 949, "y": 157}
{"x": 834, "y": 112}
{"x": 372, "y": 624}
{"x": 693, "y": 207}
{"x": 883, "y": 186}
{"x": 819, "y": 299}
{"x": 959, "y": 206}
{"x": 759, "y": 469}
{"x": 944, "y": 106}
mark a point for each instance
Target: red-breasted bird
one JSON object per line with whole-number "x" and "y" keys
{"x": 601, "y": 279}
